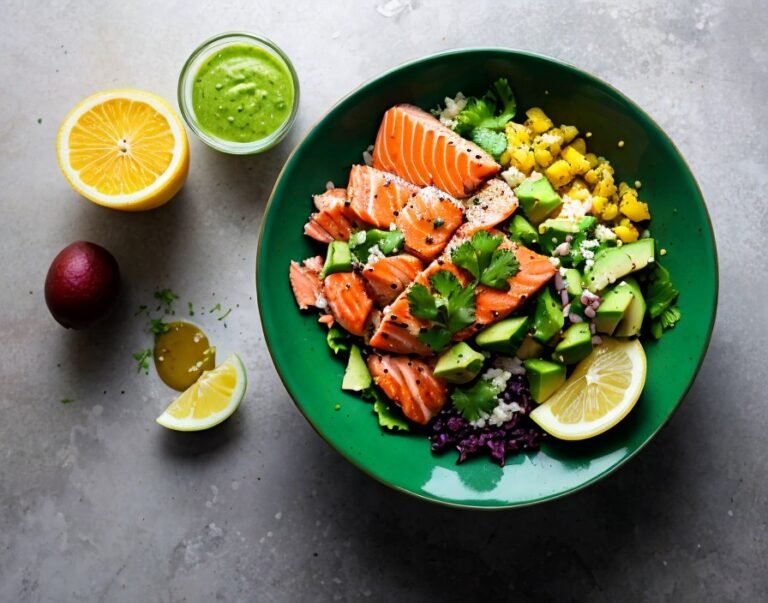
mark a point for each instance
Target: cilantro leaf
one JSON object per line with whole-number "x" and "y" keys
{"x": 461, "y": 308}
{"x": 465, "y": 257}
{"x": 485, "y": 245}
{"x": 444, "y": 282}
{"x": 502, "y": 267}
{"x": 482, "y": 112}
{"x": 436, "y": 337}
{"x": 661, "y": 293}
{"x": 388, "y": 417}
{"x": 421, "y": 302}
{"x": 492, "y": 142}
{"x": 158, "y": 327}
{"x": 666, "y": 320}
{"x": 337, "y": 340}
{"x": 473, "y": 401}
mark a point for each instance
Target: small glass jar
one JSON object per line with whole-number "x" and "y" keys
{"x": 187, "y": 81}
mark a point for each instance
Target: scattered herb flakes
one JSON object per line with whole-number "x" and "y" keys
{"x": 142, "y": 309}
{"x": 142, "y": 360}
{"x": 158, "y": 327}
{"x": 40, "y": 120}
{"x": 67, "y": 400}
{"x": 216, "y": 308}
{"x": 190, "y": 308}
{"x": 167, "y": 297}
{"x": 227, "y": 313}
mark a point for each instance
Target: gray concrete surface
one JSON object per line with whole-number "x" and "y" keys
{"x": 99, "y": 504}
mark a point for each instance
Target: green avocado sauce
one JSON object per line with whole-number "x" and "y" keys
{"x": 242, "y": 93}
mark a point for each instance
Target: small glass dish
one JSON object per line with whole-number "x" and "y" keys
{"x": 187, "y": 81}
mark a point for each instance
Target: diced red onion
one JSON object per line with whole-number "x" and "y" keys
{"x": 592, "y": 328}
{"x": 574, "y": 318}
{"x": 564, "y": 297}
{"x": 589, "y": 312}
{"x": 563, "y": 249}
{"x": 597, "y": 340}
{"x": 559, "y": 282}
{"x": 566, "y": 309}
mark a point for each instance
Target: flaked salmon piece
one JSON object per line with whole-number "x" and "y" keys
{"x": 399, "y": 330}
{"x": 331, "y": 224}
{"x": 493, "y": 305}
{"x": 493, "y": 203}
{"x": 377, "y": 197}
{"x": 416, "y": 146}
{"x": 326, "y": 319}
{"x": 410, "y": 383}
{"x": 387, "y": 277}
{"x": 330, "y": 198}
{"x": 305, "y": 281}
{"x": 348, "y": 300}
{"x": 428, "y": 221}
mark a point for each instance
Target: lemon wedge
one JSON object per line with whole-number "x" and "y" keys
{"x": 213, "y": 398}
{"x": 602, "y": 390}
{"x": 125, "y": 149}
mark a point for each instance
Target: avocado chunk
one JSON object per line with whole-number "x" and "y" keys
{"x": 632, "y": 321}
{"x": 505, "y": 336}
{"x": 522, "y": 231}
{"x": 574, "y": 288}
{"x": 356, "y": 376}
{"x": 537, "y": 198}
{"x": 554, "y": 231}
{"x": 612, "y": 308}
{"x": 614, "y": 262}
{"x": 530, "y": 348}
{"x": 575, "y": 345}
{"x": 548, "y": 317}
{"x": 544, "y": 378}
{"x": 460, "y": 364}
{"x": 388, "y": 242}
{"x": 338, "y": 259}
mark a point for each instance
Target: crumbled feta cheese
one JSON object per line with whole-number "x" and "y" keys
{"x": 329, "y": 185}
{"x": 392, "y": 226}
{"x": 503, "y": 413}
{"x": 554, "y": 261}
{"x": 572, "y": 209}
{"x": 453, "y": 106}
{"x": 603, "y": 233}
{"x": 374, "y": 254}
{"x": 551, "y": 138}
{"x": 321, "y": 302}
{"x": 513, "y": 177}
{"x": 357, "y": 238}
{"x": 498, "y": 378}
{"x": 512, "y": 365}
{"x": 535, "y": 176}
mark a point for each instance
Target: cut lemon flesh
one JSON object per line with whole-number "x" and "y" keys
{"x": 602, "y": 390}
{"x": 210, "y": 400}
{"x": 124, "y": 149}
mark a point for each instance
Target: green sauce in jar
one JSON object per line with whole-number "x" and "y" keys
{"x": 242, "y": 93}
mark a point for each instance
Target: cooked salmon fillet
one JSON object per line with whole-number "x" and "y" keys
{"x": 416, "y": 146}
{"x": 334, "y": 220}
{"x": 399, "y": 330}
{"x": 410, "y": 383}
{"x": 305, "y": 281}
{"x": 377, "y": 197}
{"x": 331, "y": 197}
{"x": 428, "y": 221}
{"x": 387, "y": 277}
{"x": 348, "y": 300}
{"x": 493, "y": 203}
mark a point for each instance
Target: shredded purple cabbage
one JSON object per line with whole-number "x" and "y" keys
{"x": 450, "y": 430}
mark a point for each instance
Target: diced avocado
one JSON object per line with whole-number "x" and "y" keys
{"x": 388, "y": 242}
{"x": 530, "y": 348}
{"x": 505, "y": 336}
{"x": 612, "y": 308}
{"x": 338, "y": 259}
{"x": 554, "y": 231}
{"x": 548, "y": 317}
{"x": 537, "y": 199}
{"x": 521, "y": 231}
{"x": 356, "y": 376}
{"x": 460, "y": 364}
{"x": 614, "y": 262}
{"x": 575, "y": 345}
{"x": 632, "y": 322}
{"x": 574, "y": 288}
{"x": 544, "y": 378}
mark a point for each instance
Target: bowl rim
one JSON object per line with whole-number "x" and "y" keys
{"x": 710, "y": 328}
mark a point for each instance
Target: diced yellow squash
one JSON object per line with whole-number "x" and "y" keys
{"x": 578, "y": 190}
{"x": 559, "y": 173}
{"x": 593, "y": 160}
{"x": 580, "y": 145}
{"x": 543, "y": 156}
{"x": 635, "y": 210}
{"x": 569, "y": 133}
{"x": 606, "y": 187}
{"x": 538, "y": 120}
{"x": 610, "y": 211}
{"x": 577, "y": 161}
{"x": 517, "y": 134}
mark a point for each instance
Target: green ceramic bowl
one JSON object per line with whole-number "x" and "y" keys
{"x": 313, "y": 377}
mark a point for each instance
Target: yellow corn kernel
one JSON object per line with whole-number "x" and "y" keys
{"x": 606, "y": 187}
{"x": 578, "y": 190}
{"x": 598, "y": 204}
{"x": 626, "y": 232}
{"x": 505, "y": 158}
{"x": 593, "y": 160}
{"x": 522, "y": 158}
{"x": 577, "y": 161}
{"x": 610, "y": 211}
{"x": 543, "y": 156}
{"x": 538, "y": 120}
{"x": 559, "y": 173}
{"x": 569, "y": 133}
{"x": 580, "y": 145}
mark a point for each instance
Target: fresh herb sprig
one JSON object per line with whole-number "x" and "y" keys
{"x": 660, "y": 298}
{"x": 482, "y": 258}
{"x": 472, "y": 402}
{"x": 142, "y": 360}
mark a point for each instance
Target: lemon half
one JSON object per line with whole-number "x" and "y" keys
{"x": 125, "y": 149}
{"x": 602, "y": 390}
{"x": 214, "y": 397}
